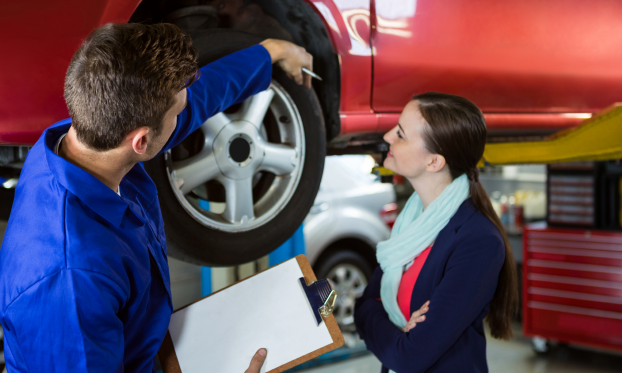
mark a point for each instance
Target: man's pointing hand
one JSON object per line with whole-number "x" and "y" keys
{"x": 291, "y": 58}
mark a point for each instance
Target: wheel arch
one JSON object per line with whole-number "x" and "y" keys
{"x": 307, "y": 29}
{"x": 357, "y": 244}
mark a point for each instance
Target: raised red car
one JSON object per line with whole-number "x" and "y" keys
{"x": 532, "y": 66}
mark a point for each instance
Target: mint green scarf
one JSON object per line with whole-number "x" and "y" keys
{"x": 413, "y": 232}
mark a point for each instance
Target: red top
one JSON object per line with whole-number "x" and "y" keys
{"x": 405, "y": 291}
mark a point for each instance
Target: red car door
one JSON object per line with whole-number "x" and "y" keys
{"x": 529, "y": 64}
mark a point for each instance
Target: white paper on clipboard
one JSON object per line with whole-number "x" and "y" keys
{"x": 221, "y": 333}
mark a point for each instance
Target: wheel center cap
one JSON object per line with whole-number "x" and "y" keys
{"x": 239, "y": 150}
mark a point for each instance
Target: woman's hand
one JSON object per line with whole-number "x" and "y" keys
{"x": 416, "y": 317}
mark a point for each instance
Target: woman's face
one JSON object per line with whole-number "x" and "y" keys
{"x": 408, "y": 155}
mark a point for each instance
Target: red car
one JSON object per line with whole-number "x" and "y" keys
{"x": 532, "y": 66}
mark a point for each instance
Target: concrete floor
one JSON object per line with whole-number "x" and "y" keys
{"x": 510, "y": 357}
{"x": 515, "y": 356}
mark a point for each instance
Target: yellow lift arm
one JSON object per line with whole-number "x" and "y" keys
{"x": 596, "y": 139}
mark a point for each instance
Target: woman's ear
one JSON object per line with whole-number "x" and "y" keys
{"x": 436, "y": 163}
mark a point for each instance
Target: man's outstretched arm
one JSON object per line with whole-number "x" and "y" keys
{"x": 236, "y": 77}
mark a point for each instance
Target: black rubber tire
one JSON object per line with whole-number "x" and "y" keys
{"x": 343, "y": 256}
{"x": 2, "y": 366}
{"x": 6, "y": 203}
{"x": 541, "y": 349}
{"x": 193, "y": 242}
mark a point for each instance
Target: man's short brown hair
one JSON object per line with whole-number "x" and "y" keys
{"x": 125, "y": 76}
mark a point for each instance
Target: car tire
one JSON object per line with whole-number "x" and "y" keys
{"x": 200, "y": 227}
{"x": 350, "y": 273}
{"x": 540, "y": 346}
{"x": 2, "y": 362}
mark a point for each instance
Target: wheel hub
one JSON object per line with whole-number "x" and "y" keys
{"x": 239, "y": 149}
{"x": 236, "y": 150}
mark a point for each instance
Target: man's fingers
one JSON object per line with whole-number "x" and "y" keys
{"x": 295, "y": 59}
{"x": 310, "y": 67}
{"x": 257, "y": 361}
{"x": 296, "y": 76}
{"x": 308, "y": 81}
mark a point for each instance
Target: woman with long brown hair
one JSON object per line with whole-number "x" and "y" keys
{"x": 448, "y": 250}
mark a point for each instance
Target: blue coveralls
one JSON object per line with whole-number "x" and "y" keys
{"x": 84, "y": 281}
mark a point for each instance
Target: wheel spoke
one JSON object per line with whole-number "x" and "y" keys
{"x": 355, "y": 278}
{"x": 213, "y": 125}
{"x": 341, "y": 274}
{"x": 279, "y": 159}
{"x": 194, "y": 171}
{"x": 239, "y": 197}
{"x": 358, "y": 291}
{"x": 349, "y": 283}
{"x": 255, "y": 108}
{"x": 341, "y": 312}
{"x": 348, "y": 320}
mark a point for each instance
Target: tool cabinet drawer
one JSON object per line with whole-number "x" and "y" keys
{"x": 572, "y": 285}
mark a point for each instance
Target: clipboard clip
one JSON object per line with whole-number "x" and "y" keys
{"x": 321, "y": 297}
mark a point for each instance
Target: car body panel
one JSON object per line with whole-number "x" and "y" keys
{"x": 527, "y": 63}
{"x": 530, "y": 65}
{"x": 346, "y": 207}
{"x": 348, "y": 24}
{"x": 38, "y": 40}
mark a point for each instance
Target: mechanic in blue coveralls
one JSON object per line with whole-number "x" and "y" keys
{"x": 84, "y": 280}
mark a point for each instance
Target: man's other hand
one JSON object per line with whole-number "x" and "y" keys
{"x": 257, "y": 362}
{"x": 291, "y": 58}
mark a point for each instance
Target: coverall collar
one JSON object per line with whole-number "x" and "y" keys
{"x": 90, "y": 190}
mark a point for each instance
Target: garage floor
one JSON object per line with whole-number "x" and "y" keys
{"x": 515, "y": 356}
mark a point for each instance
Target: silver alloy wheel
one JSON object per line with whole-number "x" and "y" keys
{"x": 236, "y": 153}
{"x": 349, "y": 281}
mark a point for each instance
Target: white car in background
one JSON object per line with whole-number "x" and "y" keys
{"x": 353, "y": 211}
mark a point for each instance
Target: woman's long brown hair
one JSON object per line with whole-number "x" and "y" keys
{"x": 457, "y": 131}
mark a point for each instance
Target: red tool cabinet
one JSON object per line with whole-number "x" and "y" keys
{"x": 572, "y": 285}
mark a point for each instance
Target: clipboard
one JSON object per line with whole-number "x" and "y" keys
{"x": 185, "y": 348}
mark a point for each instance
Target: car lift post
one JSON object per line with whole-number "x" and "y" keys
{"x": 295, "y": 245}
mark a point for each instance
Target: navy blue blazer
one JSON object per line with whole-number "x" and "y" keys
{"x": 459, "y": 277}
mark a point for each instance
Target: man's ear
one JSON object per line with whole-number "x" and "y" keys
{"x": 436, "y": 162}
{"x": 139, "y": 139}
